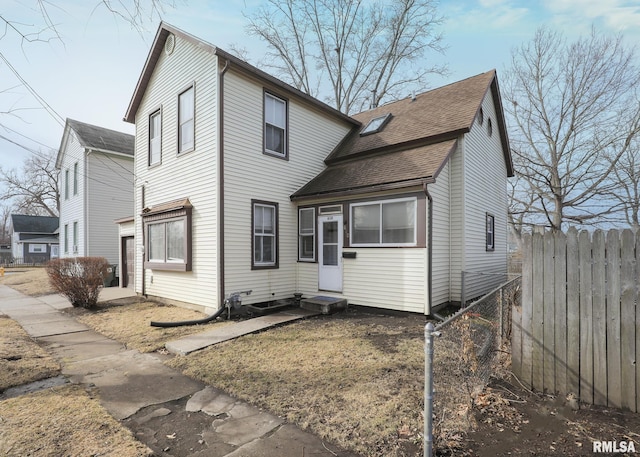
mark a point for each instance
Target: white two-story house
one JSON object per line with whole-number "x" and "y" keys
{"x": 245, "y": 182}
{"x": 96, "y": 188}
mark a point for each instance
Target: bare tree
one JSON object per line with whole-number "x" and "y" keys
{"x": 6, "y": 209}
{"x": 574, "y": 112}
{"x": 625, "y": 183}
{"x": 365, "y": 51}
{"x": 35, "y": 191}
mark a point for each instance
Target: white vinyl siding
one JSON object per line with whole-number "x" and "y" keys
{"x": 193, "y": 175}
{"x": 73, "y": 209}
{"x": 441, "y": 238}
{"x": 109, "y": 197}
{"x": 311, "y": 136}
{"x": 485, "y": 191}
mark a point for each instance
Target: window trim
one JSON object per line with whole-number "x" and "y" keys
{"x": 157, "y": 112}
{"x": 169, "y": 213}
{"x": 270, "y": 265}
{"x": 181, "y": 151}
{"x": 314, "y": 235}
{"x": 75, "y": 178}
{"x": 285, "y": 101}
{"x": 490, "y": 229}
{"x": 66, "y": 184}
{"x": 414, "y": 243}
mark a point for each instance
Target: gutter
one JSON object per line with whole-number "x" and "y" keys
{"x": 221, "y": 293}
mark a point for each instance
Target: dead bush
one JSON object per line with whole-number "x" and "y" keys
{"x": 79, "y": 279}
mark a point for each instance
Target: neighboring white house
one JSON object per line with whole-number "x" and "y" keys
{"x": 96, "y": 188}
{"x": 247, "y": 183}
{"x": 34, "y": 239}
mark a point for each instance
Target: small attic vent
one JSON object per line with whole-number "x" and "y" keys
{"x": 376, "y": 124}
{"x": 170, "y": 44}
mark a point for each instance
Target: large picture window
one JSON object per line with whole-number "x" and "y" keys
{"x": 275, "y": 125}
{"x": 155, "y": 138}
{"x": 265, "y": 235}
{"x": 388, "y": 222}
{"x": 168, "y": 236}
{"x": 186, "y": 117}
{"x": 307, "y": 234}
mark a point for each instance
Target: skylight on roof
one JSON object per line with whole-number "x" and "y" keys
{"x": 376, "y": 124}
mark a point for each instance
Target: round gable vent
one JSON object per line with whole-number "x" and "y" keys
{"x": 170, "y": 44}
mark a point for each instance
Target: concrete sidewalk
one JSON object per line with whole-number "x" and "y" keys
{"x": 147, "y": 396}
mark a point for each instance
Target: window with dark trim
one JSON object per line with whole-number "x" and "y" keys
{"x": 489, "y": 127}
{"x": 168, "y": 237}
{"x": 307, "y": 234}
{"x": 264, "y": 234}
{"x": 275, "y": 126}
{"x": 155, "y": 138}
{"x": 186, "y": 120}
{"x": 490, "y": 231}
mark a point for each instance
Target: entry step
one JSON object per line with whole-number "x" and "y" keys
{"x": 323, "y": 304}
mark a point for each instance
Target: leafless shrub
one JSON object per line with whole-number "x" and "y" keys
{"x": 78, "y": 279}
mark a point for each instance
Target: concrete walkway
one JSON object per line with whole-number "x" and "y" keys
{"x": 146, "y": 395}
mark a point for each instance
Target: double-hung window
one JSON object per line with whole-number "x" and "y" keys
{"x": 155, "y": 138}
{"x": 307, "y": 234}
{"x": 66, "y": 184}
{"x": 384, "y": 223}
{"x": 75, "y": 237}
{"x": 186, "y": 117}
{"x": 66, "y": 238}
{"x": 75, "y": 178}
{"x": 265, "y": 235}
{"x": 490, "y": 230}
{"x": 275, "y": 126}
{"x": 168, "y": 236}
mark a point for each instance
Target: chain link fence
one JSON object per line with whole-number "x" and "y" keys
{"x": 471, "y": 345}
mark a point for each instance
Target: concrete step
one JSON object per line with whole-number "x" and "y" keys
{"x": 323, "y": 304}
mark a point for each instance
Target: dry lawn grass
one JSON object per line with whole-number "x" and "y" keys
{"x": 130, "y": 324}
{"x": 63, "y": 421}
{"x": 29, "y": 281}
{"x": 21, "y": 359}
{"x": 353, "y": 380}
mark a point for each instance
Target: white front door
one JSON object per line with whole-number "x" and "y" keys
{"x": 330, "y": 253}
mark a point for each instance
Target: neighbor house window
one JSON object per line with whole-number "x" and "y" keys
{"x": 37, "y": 248}
{"x": 186, "y": 116}
{"x": 75, "y": 178}
{"x": 275, "y": 125}
{"x": 155, "y": 135}
{"x": 75, "y": 237}
{"x": 307, "y": 234}
{"x": 66, "y": 238}
{"x": 264, "y": 234}
{"x": 387, "y": 222}
{"x": 168, "y": 236}
{"x": 66, "y": 184}
{"x": 490, "y": 232}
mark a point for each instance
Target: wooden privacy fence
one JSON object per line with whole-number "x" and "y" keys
{"x": 577, "y": 329}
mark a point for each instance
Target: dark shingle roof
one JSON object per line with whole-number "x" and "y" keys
{"x": 413, "y": 145}
{"x": 94, "y": 137}
{"x": 34, "y": 224}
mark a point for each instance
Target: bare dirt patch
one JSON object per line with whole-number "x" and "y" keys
{"x": 21, "y": 359}
{"x": 29, "y": 281}
{"x": 130, "y": 323}
{"x": 63, "y": 421}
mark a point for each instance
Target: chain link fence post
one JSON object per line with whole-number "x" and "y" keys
{"x": 429, "y": 333}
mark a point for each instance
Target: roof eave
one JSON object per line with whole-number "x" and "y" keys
{"x": 368, "y": 188}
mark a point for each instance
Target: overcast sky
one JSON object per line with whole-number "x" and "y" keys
{"x": 90, "y": 74}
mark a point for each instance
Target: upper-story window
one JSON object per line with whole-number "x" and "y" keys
{"x": 275, "y": 126}
{"x": 75, "y": 178}
{"x": 66, "y": 184}
{"x": 155, "y": 138}
{"x": 490, "y": 231}
{"x": 186, "y": 117}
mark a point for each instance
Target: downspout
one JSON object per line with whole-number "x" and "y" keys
{"x": 221, "y": 294}
{"x": 144, "y": 246}
{"x": 430, "y": 243}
